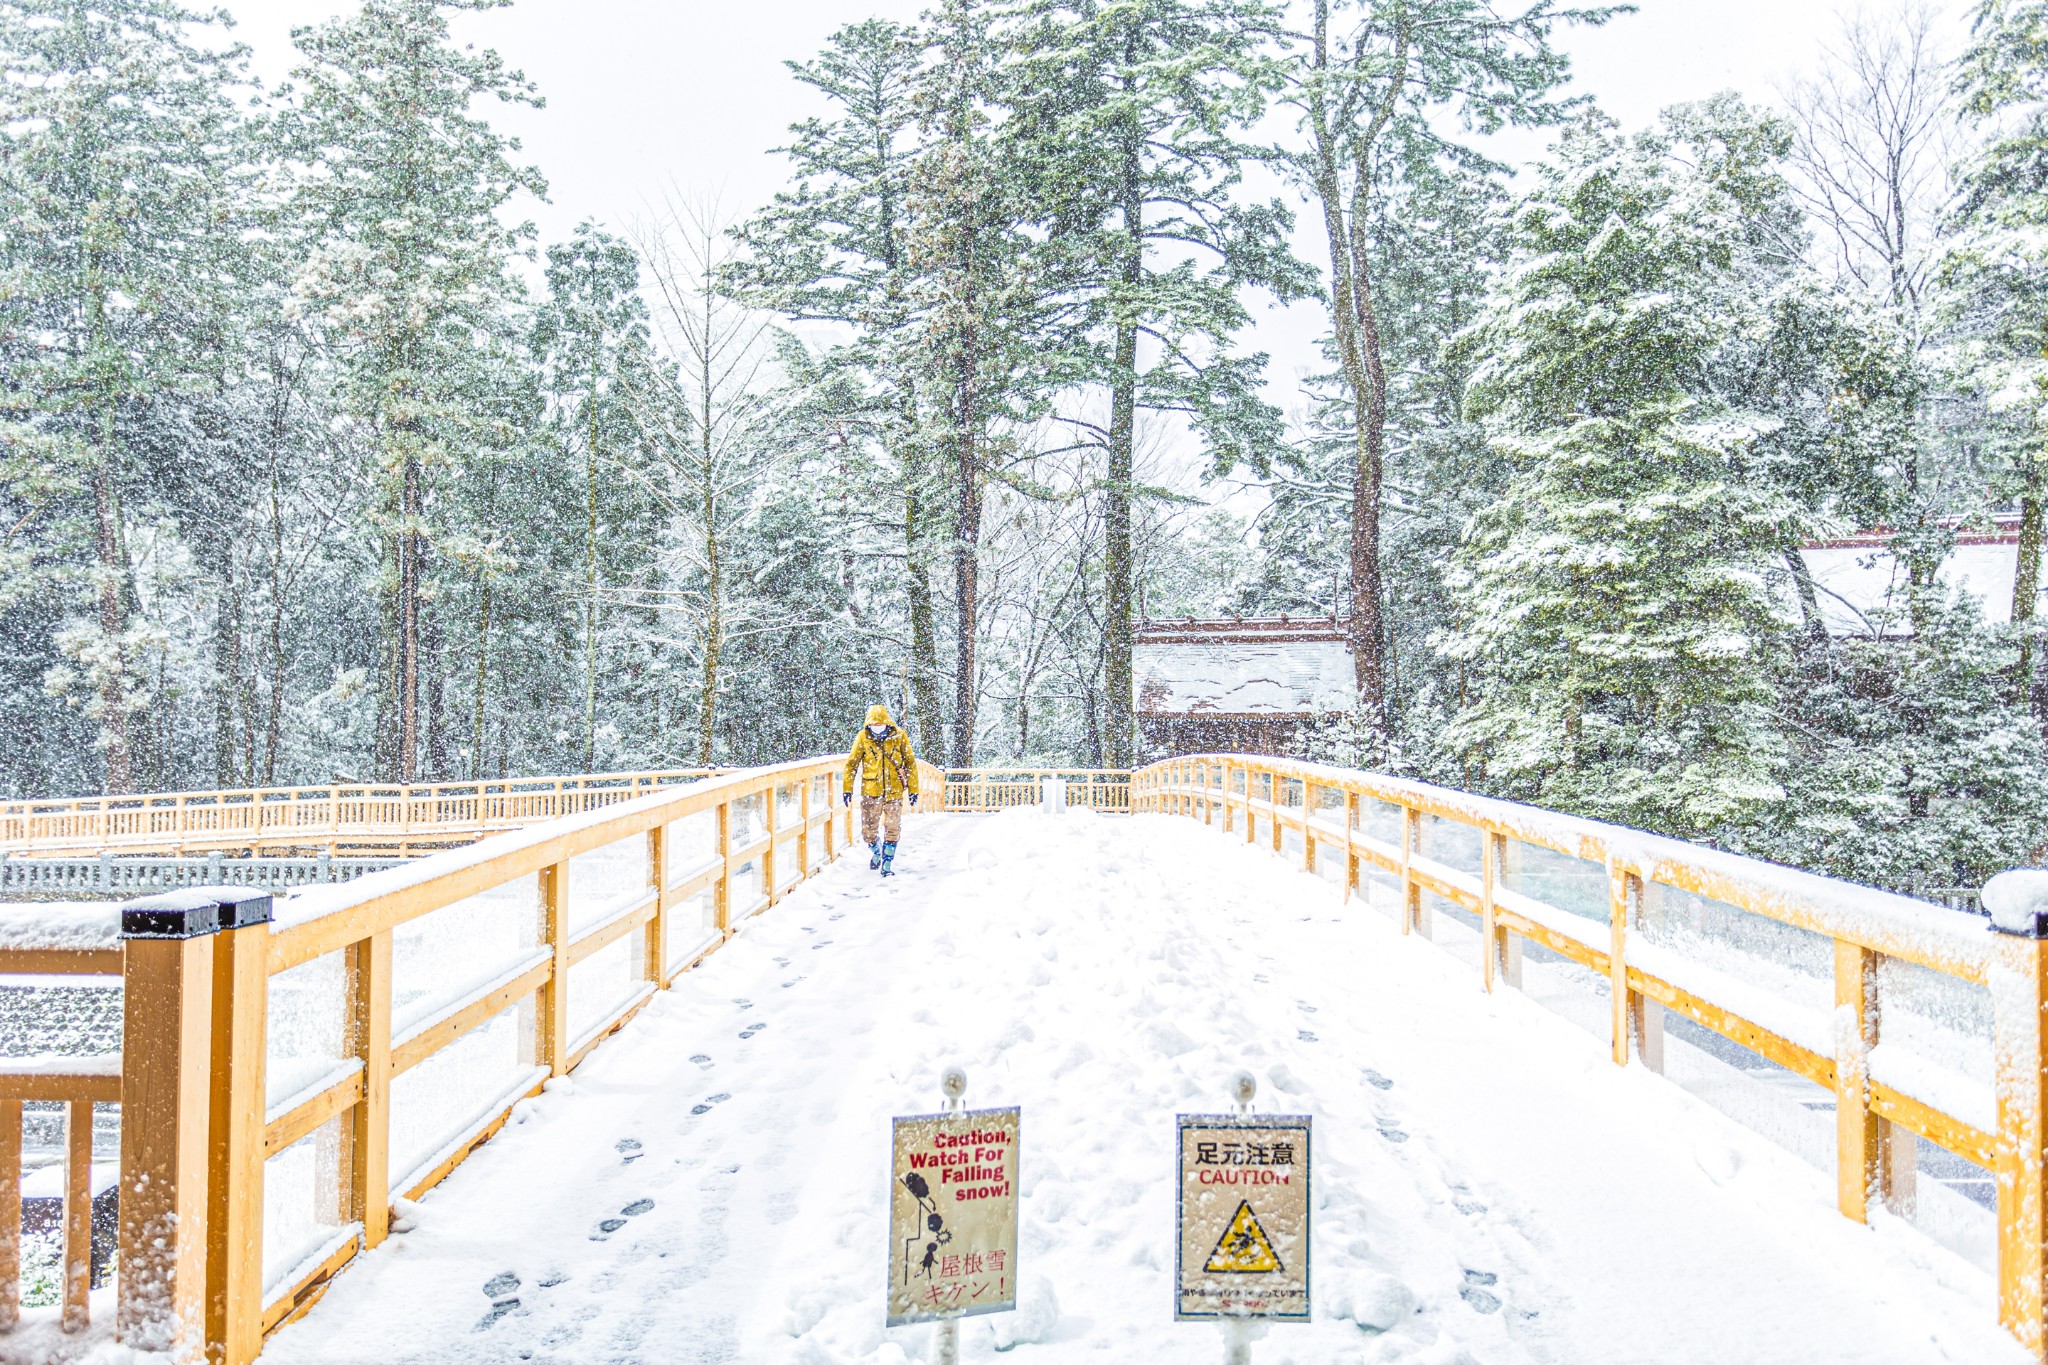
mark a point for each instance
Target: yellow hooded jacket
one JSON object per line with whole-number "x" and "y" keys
{"x": 889, "y": 768}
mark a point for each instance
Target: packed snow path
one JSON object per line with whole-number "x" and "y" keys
{"x": 1490, "y": 1187}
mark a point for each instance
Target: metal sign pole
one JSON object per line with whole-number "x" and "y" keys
{"x": 1237, "y": 1336}
{"x": 946, "y": 1334}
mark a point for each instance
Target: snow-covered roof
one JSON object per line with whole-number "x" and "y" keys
{"x": 1241, "y": 668}
{"x": 1859, "y": 576}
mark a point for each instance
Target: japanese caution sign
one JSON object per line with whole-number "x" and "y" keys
{"x": 1244, "y": 1209}
{"x": 953, "y": 1215}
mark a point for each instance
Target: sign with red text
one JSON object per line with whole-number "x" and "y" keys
{"x": 1243, "y": 1245}
{"x": 953, "y": 1216}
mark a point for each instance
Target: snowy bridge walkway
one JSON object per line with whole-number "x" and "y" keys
{"x": 1491, "y": 1188}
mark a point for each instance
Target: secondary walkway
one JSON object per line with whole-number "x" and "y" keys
{"x": 1490, "y": 1187}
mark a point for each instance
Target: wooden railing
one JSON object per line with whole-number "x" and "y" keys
{"x": 976, "y": 790}
{"x": 359, "y": 817}
{"x": 1670, "y": 926}
{"x": 230, "y": 1062}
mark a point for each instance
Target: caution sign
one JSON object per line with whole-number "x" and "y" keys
{"x": 953, "y": 1215}
{"x": 1244, "y": 1209}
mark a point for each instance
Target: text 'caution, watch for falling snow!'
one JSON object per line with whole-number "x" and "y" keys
{"x": 1244, "y": 1205}
{"x": 953, "y": 1216}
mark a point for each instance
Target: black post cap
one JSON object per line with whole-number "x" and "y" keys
{"x": 194, "y": 912}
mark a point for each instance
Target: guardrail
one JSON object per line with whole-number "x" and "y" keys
{"x": 979, "y": 790}
{"x": 379, "y": 1031}
{"x": 1920, "y": 1020}
{"x": 108, "y": 875}
{"x": 360, "y": 816}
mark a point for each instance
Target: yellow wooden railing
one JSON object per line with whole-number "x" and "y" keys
{"x": 1666, "y": 905}
{"x": 216, "y": 1087}
{"x": 976, "y": 790}
{"x": 375, "y": 817}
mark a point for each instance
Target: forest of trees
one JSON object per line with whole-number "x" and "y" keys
{"x": 317, "y": 464}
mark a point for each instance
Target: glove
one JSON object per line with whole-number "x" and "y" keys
{"x": 846, "y": 798}
{"x": 913, "y": 798}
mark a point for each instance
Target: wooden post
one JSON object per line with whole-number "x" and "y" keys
{"x": 803, "y": 830}
{"x": 234, "y": 1200}
{"x": 167, "y": 1016}
{"x": 2019, "y": 995}
{"x": 654, "y": 951}
{"x": 10, "y": 1213}
{"x": 77, "y": 1215}
{"x": 368, "y": 964}
{"x": 1857, "y": 1171}
{"x": 1308, "y": 827}
{"x": 1489, "y": 932}
{"x": 722, "y": 901}
{"x": 1411, "y": 894}
{"x": 551, "y": 1017}
{"x": 1350, "y": 844}
{"x": 1624, "y": 897}
{"x": 769, "y": 802}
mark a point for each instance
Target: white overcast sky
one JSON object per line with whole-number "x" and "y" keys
{"x": 644, "y": 94}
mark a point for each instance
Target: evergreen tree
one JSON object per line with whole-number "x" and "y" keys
{"x": 1137, "y": 114}
{"x": 1614, "y": 609}
{"x": 119, "y": 144}
{"x": 405, "y": 183}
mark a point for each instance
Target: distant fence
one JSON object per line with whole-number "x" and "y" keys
{"x": 363, "y": 817}
{"x": 979, "y": 790}
{"x": 108, "y": 875}
{"x": 1918, "y": 1020}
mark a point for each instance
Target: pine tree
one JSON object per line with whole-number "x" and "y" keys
{"x": 1614, "y": 608}
{"x": 119, "y": 144}
{"x": 592, "y": 335}
{"x": 1997, "y": 270}
{"x": 405, "y": 184}
{"x": 1137, "y": 116}
{"x": 1401, "y": 73}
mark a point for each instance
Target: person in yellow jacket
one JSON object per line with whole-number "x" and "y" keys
{"x": 888, "y": 769}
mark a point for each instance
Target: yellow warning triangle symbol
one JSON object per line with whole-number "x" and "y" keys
{"x": 1244, "y": 1248}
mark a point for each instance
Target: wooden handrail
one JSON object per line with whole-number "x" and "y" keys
{"x": 1237, "y": 793}
{"x": 405, "y": 818}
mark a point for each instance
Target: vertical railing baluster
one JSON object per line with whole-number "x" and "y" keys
{"x": 551, "y": 1018}
{"x": 10, "y": 1213}
{"x": 655, "y": 949}
{"x": 77, "y": 1276}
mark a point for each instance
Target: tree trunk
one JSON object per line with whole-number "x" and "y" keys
{"x": 966, "y": 591}
{"x": 2026, "y": 588}
{"x": 483, "y": 673}
{"x": 924, "y": 634}
{"x": 590, "y": 611}
{"x": 714, "y": 642}
{"x": 1117, "y": 622}
{"x": 1810, "y": 618}
{"x": 227, "y": 668}
{"x": 273, "y": 722}
{"x": 411, "y": 552}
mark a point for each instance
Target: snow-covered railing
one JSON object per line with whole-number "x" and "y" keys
{"x": 111, "y": 876}
{"x": 287, "y": 1077}
{"x": 1920, "y": 1019}
{"x": 361, "y": 816}
{"x": 978, "y": 790}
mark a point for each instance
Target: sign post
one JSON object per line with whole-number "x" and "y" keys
{"x": 1242, "y": 1253}
{"x": 952, "y": 1217}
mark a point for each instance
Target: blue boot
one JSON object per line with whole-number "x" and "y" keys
{"x": 875, "y": 855}
{"x": 888, "y": 857}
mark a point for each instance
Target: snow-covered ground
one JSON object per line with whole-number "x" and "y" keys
{"x": 1490, "y": 1187}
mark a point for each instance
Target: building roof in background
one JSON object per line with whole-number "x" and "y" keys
{"x": 1857, "y": 576}
{"x": 1242, "y": 668}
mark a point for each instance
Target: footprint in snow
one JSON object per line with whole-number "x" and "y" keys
{"x": 503, "y": 1291}
{"x": 1377, "y": 1081}
{"x": 782, "y": 962}
{"x": 750, "y": 1030}
{"x": 705, "y": 1107}
{"x": 839, "y": 915}
{"x": 702, "y": 1059}
{"x": 607, "y": 1226}
{"x": 628, "y": 1150}
{"x": 791, "y": 982}
{"x": 821, "y": 943}
{"x": 1390, "y": 1132}
{"x": 1476, "y": 1292}
{"x": 1463, "y": 1202}
{"x": 1305, "y": 1035}
{"x": 1257, "y": 977}
{"x": 743, "y": 1004}
{"x": 1304, "y": 1007}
